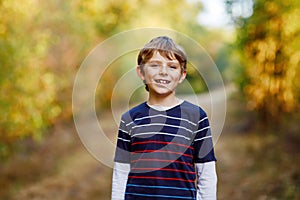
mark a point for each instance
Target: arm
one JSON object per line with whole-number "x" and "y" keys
{"x": 119, "y": 180}
{"x": 121, "y": 163}
{"x": 206, "y": 181}
{"x": 205, "y": 161}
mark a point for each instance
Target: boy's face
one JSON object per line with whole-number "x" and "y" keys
{"x": 161, "y": 74}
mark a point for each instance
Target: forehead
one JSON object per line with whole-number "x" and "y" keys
{"x": 163, "y": 57}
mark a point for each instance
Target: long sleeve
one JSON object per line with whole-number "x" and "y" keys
{"x": 122, "y": 154}
{"x": 121, "y": 163}
{"x": 206, "y": 181}
{"x": 119, "y": 180}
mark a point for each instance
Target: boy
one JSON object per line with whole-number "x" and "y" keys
{"x": 164, "y": 145}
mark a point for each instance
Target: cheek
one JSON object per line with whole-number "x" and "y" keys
{"x": 177, "y": 77}
{"x": 148, "y": 74}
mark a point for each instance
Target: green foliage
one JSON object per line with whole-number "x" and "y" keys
{"x": 27, "y": 90}
{"x": 40, "y": 46}
{"x": 268, "y": 42}
{"x": 42, "y": 43}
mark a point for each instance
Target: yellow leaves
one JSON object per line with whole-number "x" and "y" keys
{"x": 291, "y": 22}
{"x": 263, "y": 50}
{"x": 270, "y": 40}
{"x": 271, "y": 77}
{"x": 27, "y": 93}
{"x": 16, "y": 12}
{"x": 42, "y": 43}
{"x": 3, "y": 31}
{"x": 271, "y": 49}
{"x": 273, "y": 94}
{"x": 30, "y": 103}
{"x": 295, "y": 58}
{"x": 272, "y": 7}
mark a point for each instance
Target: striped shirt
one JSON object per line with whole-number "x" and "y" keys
{"x": 162, "y": 148}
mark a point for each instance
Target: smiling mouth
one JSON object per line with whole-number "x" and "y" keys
{"x": 162, "y": 81}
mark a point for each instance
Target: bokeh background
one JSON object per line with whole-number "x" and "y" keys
{"x": 254, "y": 43}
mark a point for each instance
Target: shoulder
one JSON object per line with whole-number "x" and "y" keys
{"x": 190, "y": 112}
{"x": 136, "y": 111}
{"x": 192, "y": 108}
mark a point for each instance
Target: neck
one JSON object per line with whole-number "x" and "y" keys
{"x": 163, "y": 100}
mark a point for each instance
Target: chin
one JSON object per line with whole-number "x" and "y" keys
{"x": 162, "y": 92}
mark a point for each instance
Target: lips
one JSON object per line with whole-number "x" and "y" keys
{"x": 162, "y": 81}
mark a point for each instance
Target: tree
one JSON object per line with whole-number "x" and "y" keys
{"x": 268, "y": 42}
{"x": 42, "y": 44}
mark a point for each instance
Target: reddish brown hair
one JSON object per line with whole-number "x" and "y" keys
{"x": 166, "y": 47}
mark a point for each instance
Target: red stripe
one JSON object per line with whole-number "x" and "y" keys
{"x": 162, "y": 178}
{"x": 161, "y": 160}
{"x": 160, "y": 142}
{"x": 165, "y": 169}
{"x": 162, "y": 151}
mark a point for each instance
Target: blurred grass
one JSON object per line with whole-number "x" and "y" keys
{"x": 35, "y": 160}
{"x": 258, "y": 162}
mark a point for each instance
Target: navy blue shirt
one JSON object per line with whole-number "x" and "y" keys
{"x": 162, "y": 148}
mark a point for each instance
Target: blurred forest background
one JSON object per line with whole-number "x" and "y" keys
{"x": 43, "y": 43}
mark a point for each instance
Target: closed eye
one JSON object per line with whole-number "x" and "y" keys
{"x": 174, "y": 66}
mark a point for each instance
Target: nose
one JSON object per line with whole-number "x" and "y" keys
{"x": 163, "y": 70}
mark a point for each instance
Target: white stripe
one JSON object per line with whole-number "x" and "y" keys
{"x": 123, "y": 139}
{"x": 163, "y": 125}
{"x": 123, "y": 131}
{"x": 202, "y": 129}
{"x": 160, "y": 115}
{"x": 122, "y": 121}
{"x": 203, "y": 119}
{"x": 203, "y": 138}
{"x": 158, "y": 133}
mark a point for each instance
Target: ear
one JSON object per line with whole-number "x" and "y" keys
{"x": 182, "y": 77}
{"x": 140, "y": 72}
